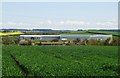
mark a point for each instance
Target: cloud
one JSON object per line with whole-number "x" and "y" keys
{"x": 69, "y": 22}
{"x": 107, "y": 24}
{"x": 49, "y": 22}
{"x": 63, "y": 24}
{"x": 14, "y": 25}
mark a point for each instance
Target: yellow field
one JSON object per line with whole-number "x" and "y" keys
{"x": 10, "y": 33}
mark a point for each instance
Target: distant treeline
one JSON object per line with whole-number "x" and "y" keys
{"x": 112, "y": 30}
{"x": 32, "y": 30}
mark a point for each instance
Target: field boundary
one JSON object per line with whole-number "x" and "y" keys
{"x": 21, "y": 66}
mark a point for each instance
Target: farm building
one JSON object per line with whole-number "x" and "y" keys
{"x": 40, "y": 37}
{"x": 83, "y": 37}
{"x": 65, "y": 37}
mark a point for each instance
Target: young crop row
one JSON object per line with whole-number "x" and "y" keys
{"x": 9, "y": 67}
{"x": 67, "y": 60}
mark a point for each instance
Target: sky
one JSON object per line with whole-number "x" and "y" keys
{"x": 60, "y": 0}
{"x": 60, "y": 15}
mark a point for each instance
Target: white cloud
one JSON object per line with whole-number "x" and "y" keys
{"x": 107, "y": 24}
{"x": 11, "y": 23}
{"x": 64, "y": 24}
{"x": 49, "y": 22}
{"x": 41, "y": 22}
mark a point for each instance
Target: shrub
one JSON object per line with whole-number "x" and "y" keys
{"x": 6, "y": 40}
{"x": 29, "y": 42}
{"x": 76, "y": 41}
{"x": 37, "y": 43}
{"x": 25, "y": 42}
{"x": 54, "y": 40}
{"x": 92, "y": 42}
{"x": 115, "y": 42}
{"x": 107, "y": 41}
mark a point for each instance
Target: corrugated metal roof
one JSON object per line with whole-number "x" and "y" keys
{"x": 62, "y": 35}
{"x": 68, "y": 36}
{"x": 38, "y": 35}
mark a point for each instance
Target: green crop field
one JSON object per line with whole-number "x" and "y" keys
{"x": 93, "y": 32}
{"x": 0, "y": 60}
{"x": 78, "y": 32}
{"x": 60, "y": 60}
{"x": 104, "y": 32}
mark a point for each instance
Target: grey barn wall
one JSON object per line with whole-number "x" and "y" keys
{"x": 68, "y": 37}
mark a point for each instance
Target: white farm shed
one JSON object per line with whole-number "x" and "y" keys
{"x": 65, "y": 37}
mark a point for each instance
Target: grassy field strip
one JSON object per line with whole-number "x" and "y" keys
{"x": 105, "y": 32}
{"x": 77, "y": 32}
